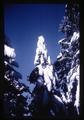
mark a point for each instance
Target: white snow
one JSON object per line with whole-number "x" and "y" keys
{"x": 6, "y": 63}
{"x": 77, "y": 101}
{"x": 10, "y": 52}
{"x": 48, "y": 76}
{"x": 74, "y": 74}
{"x": 59, "y": 56}
{"x": 49, "y": 60}
{"x": 75, "y": 36}
{"x": 43, "y": 62}
{"x": 64, "y": 98}
{"x": 46, "y": 68}
{"x": 41, "y": 51}
{"x": 60, "y": 41}
{"x": 40, "y": 69}
{"x": 5, "y": 76}
{"x": 47, "y": 72}
{"x": 58, "y": 98}
{"x": 78, "y": 52}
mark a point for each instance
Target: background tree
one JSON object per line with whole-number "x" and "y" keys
{"x": 43, "y": 78}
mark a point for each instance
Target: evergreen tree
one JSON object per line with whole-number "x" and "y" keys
{"x": 43, "y": 63}
{"x": 67, "y": 65}
{"x": 15, "y": 104}
{"x": 62, "y": 76}
{"x": 43, "y": 79}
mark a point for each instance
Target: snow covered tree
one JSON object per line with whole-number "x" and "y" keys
{"x": 15, "y": 105}
{"x": 67, "y": 65}
{"x": 43, "y": 63}
{"x": 44, "y": 81}
{"x": 62, "y": 77}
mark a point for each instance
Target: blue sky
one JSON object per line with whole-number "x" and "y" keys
{"x": 24, "y": 23}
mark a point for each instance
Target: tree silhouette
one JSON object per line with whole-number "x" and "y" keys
{"x": 15, "y": 104}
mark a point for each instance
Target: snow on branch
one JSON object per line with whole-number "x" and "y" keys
{"x": 10, "y": 52}
{"x": 43, "y": 63}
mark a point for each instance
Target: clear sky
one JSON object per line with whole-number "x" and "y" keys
{"x": 24, "y": 23}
